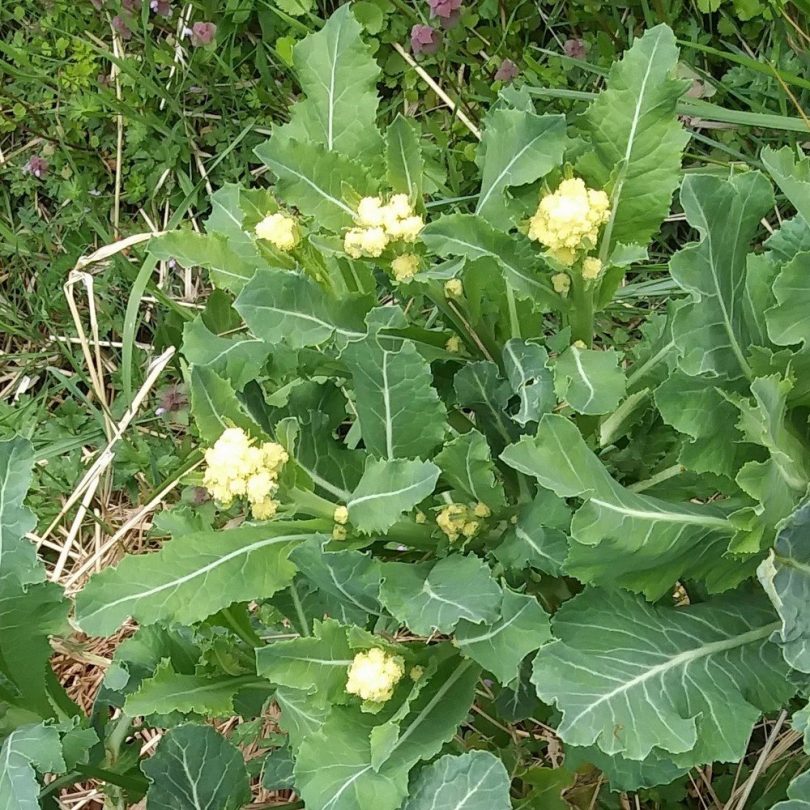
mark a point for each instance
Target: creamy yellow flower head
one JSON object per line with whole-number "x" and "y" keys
{"x": 561, "y": 283}
{"x": 453, "y": 288}
{"x": 341, "y": 515}
{"x": 457, "y": 520}
{"x": 374, "y": 674}
{"x": 405, "y": 266}
{"x": 370, "y": 213}
{"x": 481, "y": 510}
{"x": 339, "y": 532}
{"x": 453, "y": 344}
{"x": 373, "y": 242}
{"x": 568, "y": 220}
{"x": 591, "y": 268}
{"x": 236, "y": 468}
{"x": 280, "y": 230}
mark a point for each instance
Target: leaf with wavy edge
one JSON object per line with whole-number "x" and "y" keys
{"x": 798, "y": 794}
{"x": 590, "y": 380}
{"x": 686, "y": 683}
{"x": 792, "y": 175}
{"x": 192, "y": 577}
{"x": 787, "y": 319}
{"x": 17, "y": 554}
{"x": 26, "y": 748}
{"x": 619, "y": 537}
{"x": 466, "y": 464}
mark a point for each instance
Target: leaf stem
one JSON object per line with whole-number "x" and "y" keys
{"x": 514, "y": 323}
{"x": 299, "y": 609}
{"x": 582, "y": 311}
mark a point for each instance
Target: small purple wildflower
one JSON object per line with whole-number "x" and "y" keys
{"x": 37, "y": 166}
{"x": 507, "y": 71}
{"x": 203, "y": 33}
{"x": 425, "y": 39}
{"x": 120, "y": 25}
{"x": 162, "y": 8}
{"x": 444, "y": 8}
{"x": 575, "y": 48}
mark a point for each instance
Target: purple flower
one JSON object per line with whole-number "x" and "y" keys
{"x": 425, "y": 39}
{"x": 575, "y": 48}
{"x": 163, "y": 8}
{"x": 120, "y": 25}
{"x": 507, "y": 71}
{"x": 444, "y": 8}
{"x": 202, "y": 33}
{"x": 132, "y": 6}
{"x": 38, "y": 166}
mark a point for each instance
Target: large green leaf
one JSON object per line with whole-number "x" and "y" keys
{"x": 194, "y": 768}
{"x": 229, "y": 269}
{"x": 333, "y": 769}
{"x": 636, "y": 138}
{"x": 785, "y": 575}
{"x": 387, "y": 489}
{"x": 216, "y": 407}
{"x": 792, "y": 175}
{"x": 466, "y": 464}
{"x": 427, "y": 597}
{"x": 300, "y": 715}
{"x": 479, "y": 387}
{"x": 169, "y": 691}
{"x": 26, "y": 748}
{"x": 28, "y": 616}
{"x": 620, "y": 537}
{"x": 787, "y": 320}
{"x": 476, "y": 780}
{"x": 280, "y": 305}
{"x": 17, "y": 554}
{"x": 623, "y": 773}
{"x": 517, "y": 147}
{"x": 798, "y": 794}
{"x": 432, "y": 718}
{"x": 337, "y": 74}
{"x": 314, "y": 180}
{"x": 191, "y": 577}
{"x": 636, "y": 679}
{"x": 237, "y": 360}
{"x": 394, "y": 392}
{"x": 473, "y": 238}
{"x": 590, "y": 381}
{"x": 530, "y": 378}
{"x": 500, "y": 647}
{"x": 713, "y": 332}
{"x": 318, "y": 663}
{"x": 403, "y": 158}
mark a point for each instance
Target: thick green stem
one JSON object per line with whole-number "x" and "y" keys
{"x": 514, "y": 323}
{"x": 299, "y": 609}
{"x": 581, "y": 314}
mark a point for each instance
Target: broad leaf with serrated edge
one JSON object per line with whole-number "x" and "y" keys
{"x": 791, "y": 175}
{"x": 318, "y": 664}
{"x": 636, "y": 139}
{"x": 333, "y": 769}
{"x": 785, "y": 575}
{"x": 590, "y": 381}
{"x": 517, "y": 147}
{"x": 279, "y": 305}
{"x": 300, "y": 715}
{"x": 337, "y": 74}
{"x": 787, "y": 320}
{"x": 313, "y": 180}
{"x": 387, "y": 489}
{"x": 499, "y": 647}
{"x": 432, "y": 719}
{"x": 476, "y": 780}
{"x": 192, "y": 577}
{"x": 530, "y": 379}
{"x": 238, "y": 360}
{"x": 466, "y": 464}
{"x": 539, "y": 539}
{"x": 394, "y": 393}
{"x": 216, "y": 407}
{"x": 713, "y": 331}
{"x": 168, "y": 691}
{"x": 17, "y": 554}
{"x": 26, "y": 748}
{"x": 620, "y": 537}
{"x": 473, "y": 237}
{"x": 688, "y": 683}
{"x": 434, "y": 596}
{"x": 196, "y": 767}
{"x": 228, "y": 268}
